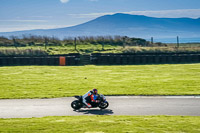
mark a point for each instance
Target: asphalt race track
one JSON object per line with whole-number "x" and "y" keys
{"x": 119, "y": 105}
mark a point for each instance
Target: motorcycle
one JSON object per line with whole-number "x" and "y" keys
{"x": 78, "y": 104}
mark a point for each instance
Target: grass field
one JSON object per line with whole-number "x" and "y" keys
{"x": 103, "y": 124}
{"x": 185, "y": 44}
{"x": 56, "y": 81}
{"x": 52, "y": 50}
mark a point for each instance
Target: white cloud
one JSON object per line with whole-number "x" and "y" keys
{"x": 94, "y": 0}
{"x": 41, "y": 16}
{"x": 190, "y": 13}
{"x": 91, "y": 15}
{"x": 12, "y": 28}
{"x": 16, "y": 20}
{"x": 64, "y": 1}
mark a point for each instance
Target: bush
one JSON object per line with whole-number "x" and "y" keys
{"x": 31, "y": 40}
{"x": 159, "y": 50}
{"x": 22, "y": 52}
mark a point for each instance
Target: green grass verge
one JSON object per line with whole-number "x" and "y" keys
{"x": 90, "y": 48}
{"x": 55, "y": 50}
{"x": 103, "y": 124}
{"x": 57, "y": 81}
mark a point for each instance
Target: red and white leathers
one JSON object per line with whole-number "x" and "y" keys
{"x": 89, "y": 95}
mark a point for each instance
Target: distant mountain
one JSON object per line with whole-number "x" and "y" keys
{"x": 125, "y": 24}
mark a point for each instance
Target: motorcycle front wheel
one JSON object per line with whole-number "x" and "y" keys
{"x": 76, "y": 105}
{"x": 103, "y": 105}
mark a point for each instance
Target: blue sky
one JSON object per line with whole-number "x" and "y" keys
{"x": 18, "y": 15}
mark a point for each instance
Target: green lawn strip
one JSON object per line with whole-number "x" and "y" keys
{"x": 56, "y": 50}
{"x": 91, "y": 48}
{"x": 57, "y": 81}
{"x": 103, "y": 124}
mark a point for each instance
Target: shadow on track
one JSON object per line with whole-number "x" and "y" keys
{"x": 96, "y": 111}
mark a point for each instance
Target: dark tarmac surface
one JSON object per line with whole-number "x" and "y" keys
{"x": 119, "y": 105}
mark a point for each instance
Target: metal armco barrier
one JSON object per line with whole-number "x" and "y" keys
{"x": 101, "y": 59}
{"x": 131, "y": 59}
{"x": 20, "y": 61}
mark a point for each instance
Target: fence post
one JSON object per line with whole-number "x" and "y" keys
{"x": 178, "y": 41}
{"x": 151, "y": 40}
{"x": 75, "y": 43}
{"x": 46, "y": 42}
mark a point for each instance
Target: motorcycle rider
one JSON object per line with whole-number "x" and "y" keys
{"x": 90, "y": 96}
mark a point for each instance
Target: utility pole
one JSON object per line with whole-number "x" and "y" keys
{"x": 45, "y": 42}
{"x": 14, "y": 42}
{"x": 75, "y": 43}
{"x": 102, "y": 44}
{"x": 151, "y": 40}
{"x": 124, "y": 41}
{"x": 177, "y": 41}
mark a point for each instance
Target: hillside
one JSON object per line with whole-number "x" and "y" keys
{"x": 125, "y": 24}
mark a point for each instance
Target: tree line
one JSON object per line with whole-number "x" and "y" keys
{"x": 33, "y": 40}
